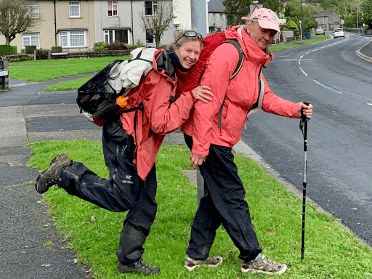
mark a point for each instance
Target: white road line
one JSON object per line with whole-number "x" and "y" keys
{"x": 303, "y": 71}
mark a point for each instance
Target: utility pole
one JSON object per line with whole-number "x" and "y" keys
{"x": 199, "y": 16}
{"x": 199, "y": 22}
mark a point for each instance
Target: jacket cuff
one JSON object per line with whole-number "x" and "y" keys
{"x": 192, "y": 96}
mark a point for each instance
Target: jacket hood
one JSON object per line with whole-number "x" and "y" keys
{"x": 251, "y": 51}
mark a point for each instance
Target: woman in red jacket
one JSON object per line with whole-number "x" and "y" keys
{"x": 130, "y": 145}
{"x": 211, "y": 135}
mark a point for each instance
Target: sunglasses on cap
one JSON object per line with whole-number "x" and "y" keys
{"x": 190, "y": 34}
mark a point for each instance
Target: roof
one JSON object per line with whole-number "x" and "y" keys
{"x": 216, "y": 6}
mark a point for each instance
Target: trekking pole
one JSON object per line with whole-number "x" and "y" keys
{"x": 303, "y": 127}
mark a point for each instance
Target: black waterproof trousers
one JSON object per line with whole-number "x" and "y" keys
{"x": 222, "y": 203}
{"x": 123, "y": 191}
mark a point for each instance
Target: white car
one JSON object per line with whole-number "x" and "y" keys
{"x": 338, "y": 33}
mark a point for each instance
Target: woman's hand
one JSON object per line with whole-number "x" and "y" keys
{"x": 307, "y": 109}
{"x": 196, "y": 160}
{"x": 202, "y": 93}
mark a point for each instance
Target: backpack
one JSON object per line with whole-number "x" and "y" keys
{"x": 97, "y": 97}
{"x": 194, "y": 74}
{"x": 210, "y": 43}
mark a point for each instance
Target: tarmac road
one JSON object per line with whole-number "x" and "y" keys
{"x": 29, "y": 115}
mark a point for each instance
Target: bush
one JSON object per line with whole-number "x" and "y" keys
{"x": 42, "y": 54}
{"x": 56, "y": 49}
{"x": 5, "y": 50}
{"x": 117, "y": 46}
{"x": 14, "y": 50}
{"x": 30, "y": 49}
{"x": 140, "y": 44}
{"x": 100, "y": 46}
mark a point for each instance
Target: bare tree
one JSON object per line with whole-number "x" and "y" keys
{"x": 15, "y": 17}
{"x": 157, "y": 17}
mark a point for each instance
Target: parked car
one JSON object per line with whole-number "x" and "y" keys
{"x": 338, "y": 33}
{"x": 320, "y": 31}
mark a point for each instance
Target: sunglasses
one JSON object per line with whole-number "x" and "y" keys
{"x": 190, "y": 34}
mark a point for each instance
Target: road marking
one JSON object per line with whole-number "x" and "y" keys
{"x": 323, "y": 85}
{"x": 303, "y": 71}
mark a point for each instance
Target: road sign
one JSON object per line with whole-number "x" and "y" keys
{"x": 4, "y": 73}
{"x": 283, "y": 21}
{"x": 255, "y": 7}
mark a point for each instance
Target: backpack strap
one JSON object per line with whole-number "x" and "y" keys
{"x": 236, "y": 71}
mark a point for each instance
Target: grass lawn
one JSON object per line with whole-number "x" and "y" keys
{"x": 330, "y": 250}
{"x": 44, "y": 70}
{"x": 275, "y": 48}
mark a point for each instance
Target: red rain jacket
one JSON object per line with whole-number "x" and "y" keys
{"x": 159, "y": 117}
{"x": 238, "y": 94}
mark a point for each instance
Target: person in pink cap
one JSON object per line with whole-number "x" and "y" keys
{"x": 215, "y": 127}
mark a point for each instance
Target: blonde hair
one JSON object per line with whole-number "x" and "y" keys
{"x": 181, "y": 39}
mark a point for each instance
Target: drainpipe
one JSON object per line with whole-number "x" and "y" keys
{"x": 55, "y": 24}
{"x": 131, "y": 9}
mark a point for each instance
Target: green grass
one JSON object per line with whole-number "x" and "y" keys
{"x": 330, "y": 250}
{"x": 68, "y": 85}
{"x": 43, "y": 70}
{"x": 299, "y": 43}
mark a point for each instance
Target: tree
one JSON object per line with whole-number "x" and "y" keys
{"x": 15, "y": 17}
{"x": 235, "y": 9}
{"x": 157, "y": 17}
{"x": 367, "y": 9}
{"x": 294, "y": 11}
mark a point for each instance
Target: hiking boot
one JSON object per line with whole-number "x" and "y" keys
{"x": 262, "y": 264}
{"x": 191, "y": 263}
{"x": 138, "y": 267}
{"x": 49, "y": 177}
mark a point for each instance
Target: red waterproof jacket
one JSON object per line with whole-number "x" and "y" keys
{"x": 159, "y": 116}
{"x": 238, "y": 94}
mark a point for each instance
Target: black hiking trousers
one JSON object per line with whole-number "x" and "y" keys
{"x": 222, "y": 203}
{"x": 123, "y": 191}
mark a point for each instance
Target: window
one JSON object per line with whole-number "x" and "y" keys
{"x": 31, "y": 39}
{"x": 150, "y": 7}
{"x": 116, "y": 36}
{"x": 109, "y": 36}
{"x": 112, "y": 8}
{"x": 72, "y": 38}
{"x": 149, "y": 38}
{"x": 34, "y": 9}
{"x": 74, "y": 9}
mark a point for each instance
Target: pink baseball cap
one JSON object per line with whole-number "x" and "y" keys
{"x": 266, "y": 18}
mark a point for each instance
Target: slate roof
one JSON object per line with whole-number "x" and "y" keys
{"x": 216, "y": 6}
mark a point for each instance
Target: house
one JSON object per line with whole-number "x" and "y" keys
{"x": 328, "y": 21}
{"x": 59, "y": 23}
{"x": 216, "y": 16}
{"x": 77, "y": 25}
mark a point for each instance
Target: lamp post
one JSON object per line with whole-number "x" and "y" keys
{"x": 301, "y": 23}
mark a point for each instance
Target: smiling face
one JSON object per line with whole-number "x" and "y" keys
{"x": 188, "y": 53}
{"x": 262, "y": 37}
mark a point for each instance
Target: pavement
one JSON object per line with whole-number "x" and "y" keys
{"x": 30, "y": 245}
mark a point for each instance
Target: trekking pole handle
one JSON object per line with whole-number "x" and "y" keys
{"x": 303, "y": 116}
